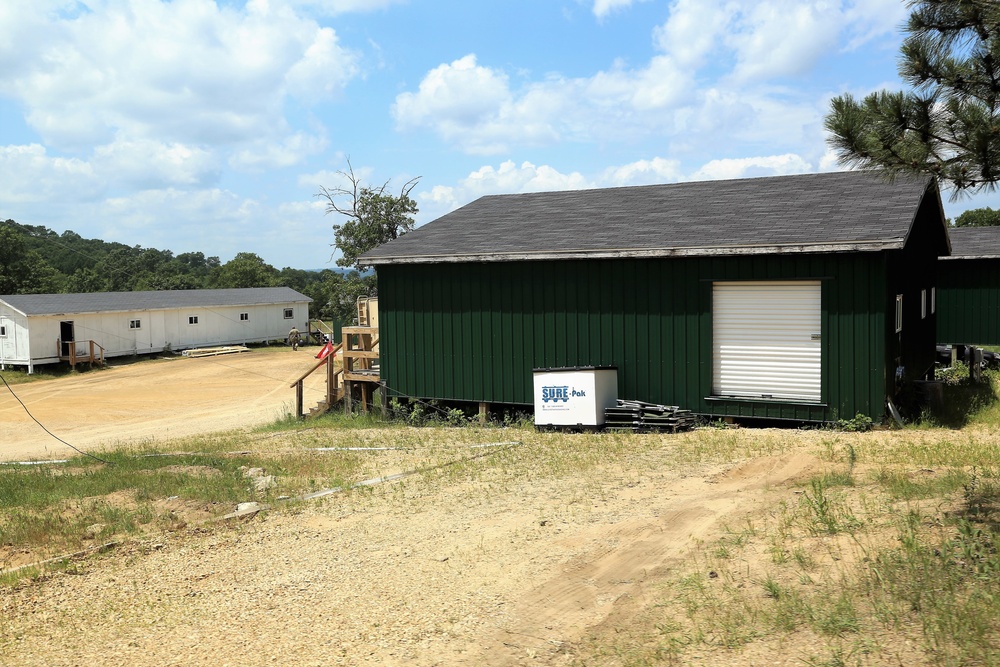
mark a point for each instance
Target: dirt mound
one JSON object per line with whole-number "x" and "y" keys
{"x": 786, "y": 470}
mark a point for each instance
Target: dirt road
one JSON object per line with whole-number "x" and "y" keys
{"x": 485, "y": 572}
{"x": 153, "y": 400}
{"x": 495, "y": 568}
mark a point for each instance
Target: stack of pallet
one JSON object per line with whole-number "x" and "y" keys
{"x": 641, "y": 416}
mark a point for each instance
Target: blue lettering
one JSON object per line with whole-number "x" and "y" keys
{"x": 551, "y": 394}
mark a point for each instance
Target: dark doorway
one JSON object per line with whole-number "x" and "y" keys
{"x": 67, "y": 337}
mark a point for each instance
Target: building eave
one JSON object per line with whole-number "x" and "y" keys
{"x": 646, "y": 253}
{"x": 959, "y": 257}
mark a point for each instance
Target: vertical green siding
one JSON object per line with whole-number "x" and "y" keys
{"x": 474, "y": 332}
{"x": 968, "y": 302}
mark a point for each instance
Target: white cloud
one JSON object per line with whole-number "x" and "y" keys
{"x": 525, "y": 177}
{"x": 324, "y": 69}
{"x": 464, "y": 101}
{"x": 506, "y": 179}
{"x": 187, "y": 209}
{"x": 334, "y": 7}
{"x": 829, "y": 161}
{"x": 693, "y": 30}
{"x": 751, "y": 167}
{"x": 28, "y": 174}
{"x": 336, "y": 179}
{"x": 144, "y": 163}
{"x": 474, "y": 107}
{"x": 187, "y": 71}
{"x": 784, "y": 37}
{"x": 872, "y": 19}
{"x": 278, "y": 152}
{"x": 604, "y": 7}
{"x": 289, "y": 234}
{"x": 643, "y": 172}
{"x": 718, "y": 71}
{"x": 211, "y": 218}
{"x": 511, "y": 178}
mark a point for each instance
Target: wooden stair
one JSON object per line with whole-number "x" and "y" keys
{"x": 95, "y": 355}
{"x": 334, "y": 387}
{"x": 323, "y": 407}
{"x": 319, "y": 331}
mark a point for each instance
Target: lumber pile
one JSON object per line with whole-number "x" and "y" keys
{"x": 640, "y": 416}
{"x": 215, "y": 351}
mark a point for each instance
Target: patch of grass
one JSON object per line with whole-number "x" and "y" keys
{"x": 837, "y": 615}
{"x": 927, "y": 575}
{"x": 966, "y": 402}
{"x": 902, "y": 485}
{"x": 981, "y": 493}
{"x": 860, "y": 423}
{"x": 837, "y": 478}
{"x": 331, "y": 419}
{"x": 60, "y": 508}
{"x": 824, "y": 513}
{"x": 943, "y": 579}
{"x": 36, "y": 487}
{"x": 17, "y": 375}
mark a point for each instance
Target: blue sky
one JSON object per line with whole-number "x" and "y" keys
{"x": 210, "y": 125}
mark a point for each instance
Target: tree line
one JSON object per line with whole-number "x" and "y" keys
{"x": 38, "y": 260}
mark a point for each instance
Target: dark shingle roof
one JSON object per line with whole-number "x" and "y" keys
{"x": 807, "y": 213}
{"x": 974, "y": 243}
{"x": 100, "y": 302}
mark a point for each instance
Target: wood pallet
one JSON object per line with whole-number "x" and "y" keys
{"x": 641, "y": 416}
{"x": 215, "y": 351}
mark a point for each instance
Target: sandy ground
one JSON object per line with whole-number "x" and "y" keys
{"x": 450, "y": 574}
{"x": 484, "y": 570}
{"x": 154, "y": 400}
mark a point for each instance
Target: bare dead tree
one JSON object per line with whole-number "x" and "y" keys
{"x": 373, "y": 216}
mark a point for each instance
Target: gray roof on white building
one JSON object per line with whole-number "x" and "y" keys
{"x": 831, "y": 212}
{"x": 102, "y": 302}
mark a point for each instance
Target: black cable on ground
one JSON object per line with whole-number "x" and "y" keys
{"x": 42, "y": 426}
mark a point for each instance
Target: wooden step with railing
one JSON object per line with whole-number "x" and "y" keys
{"x": 73, "y": 356}
{"x": 319, "y": 331}
{"x": 334, "y": 392}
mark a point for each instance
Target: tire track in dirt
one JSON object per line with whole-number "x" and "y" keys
{"x": 548, "y": 619}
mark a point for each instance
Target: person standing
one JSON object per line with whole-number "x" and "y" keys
{"x": 294, "y": 337}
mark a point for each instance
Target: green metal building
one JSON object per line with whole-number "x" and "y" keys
{"x": 794, "y": 297}
{"x": 969, "y": 298}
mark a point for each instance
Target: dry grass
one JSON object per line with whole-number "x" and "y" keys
{"x": 886, "y": 557}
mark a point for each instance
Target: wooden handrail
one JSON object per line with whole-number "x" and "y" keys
{"x": 75, "y": 358}
{"x": 336, "y": 349}
{"x": 321, "y": 326}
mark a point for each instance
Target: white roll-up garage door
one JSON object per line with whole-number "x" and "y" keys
{"x": 766, "y": 339}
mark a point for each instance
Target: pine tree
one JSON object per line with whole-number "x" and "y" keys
{"x": 948, "y": 125}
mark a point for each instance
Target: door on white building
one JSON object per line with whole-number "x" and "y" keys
{"x": 8, "y": 340}
{"x": 67, "y": 336}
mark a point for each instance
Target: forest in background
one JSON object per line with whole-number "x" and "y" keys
{"x": 37, "y": 260}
